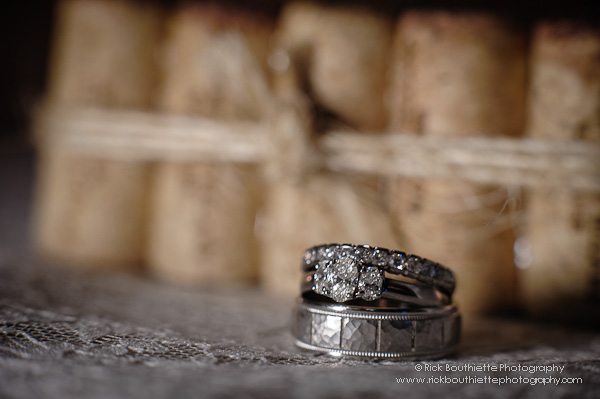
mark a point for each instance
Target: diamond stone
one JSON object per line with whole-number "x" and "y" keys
{"x": 370, "y": 283}
{"x": 380, "y": 257}
{"x": 428, "y": 268}
{"x": 364, "y": 253}
{"x": 396, "y": 260}
{"x": 309, "y": 256}
{"x": 342, "y": 291}
{"x": 413, "y": 264}
{"x": 337, "y": 278}
{"x": 325, "y": 252}
{"x": 345, "y": 251}
{"x": 346, "y": 268}
{"x": 322, "y": 278}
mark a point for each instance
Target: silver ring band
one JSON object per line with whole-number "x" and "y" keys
{"x": 376, "y": 332}
{"x": 401, "y": 292}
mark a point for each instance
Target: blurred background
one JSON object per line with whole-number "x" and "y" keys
{"x": 210, "y": 143}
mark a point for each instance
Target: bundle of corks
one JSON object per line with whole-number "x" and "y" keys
{"x": 186, "y": 222}
{"x": 561, "y": 274}
{"x": 299, "y": 74}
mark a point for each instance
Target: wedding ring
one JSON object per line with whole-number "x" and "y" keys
{"x": 377, "y": 332}
{"x": 345, "y": 272}
{"x": 383, "y": 315}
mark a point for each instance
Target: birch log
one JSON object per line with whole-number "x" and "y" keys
{"x": 562, "y": 270}
{"x": 458, "y": 74}
{"x": 91, "y": 213}
{"x": 203, "y": 213}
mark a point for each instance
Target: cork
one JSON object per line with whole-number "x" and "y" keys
{"x": 458, "y": 74}
{"x": 561, "y": 268}
{"x": 215, "y": 62}
{"x": 305, "y": 206}
{"x": 330, "y": 64}
{"x": 342, "y": 57}
{"x": 203, "y": 213}
{"x": 91, "y": 212}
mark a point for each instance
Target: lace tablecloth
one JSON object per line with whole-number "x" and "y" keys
{"x": 67, "y": 334}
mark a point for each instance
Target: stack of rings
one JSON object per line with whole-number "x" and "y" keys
{"x": 358, "y": 300}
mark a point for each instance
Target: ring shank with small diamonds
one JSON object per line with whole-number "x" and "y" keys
{"x": 393, "y": 262}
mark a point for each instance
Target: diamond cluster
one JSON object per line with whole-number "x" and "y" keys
{"x": 341, "y": 277}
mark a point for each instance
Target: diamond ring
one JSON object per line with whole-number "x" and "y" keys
{"x": 346, "y": 272}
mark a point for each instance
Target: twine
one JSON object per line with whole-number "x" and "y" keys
{"x": 145, "y": 136}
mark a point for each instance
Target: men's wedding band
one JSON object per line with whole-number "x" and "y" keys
{"x": 376, "y": 332}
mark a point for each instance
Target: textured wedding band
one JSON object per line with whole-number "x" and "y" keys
{"x": 373, "y": 287}
{"x": 343, "y": 272}
{"x": 376, "y": 332}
